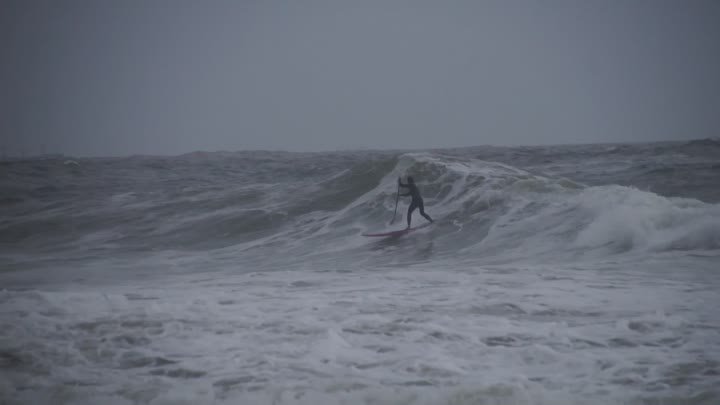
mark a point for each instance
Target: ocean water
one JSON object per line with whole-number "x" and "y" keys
{"x": 553, "y": 275}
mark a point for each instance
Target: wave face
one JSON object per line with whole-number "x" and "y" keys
{"x": 539, "y": 204}
{"x": 553, "y": 275}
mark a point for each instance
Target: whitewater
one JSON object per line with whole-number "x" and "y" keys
{"x": 585, "y": 274}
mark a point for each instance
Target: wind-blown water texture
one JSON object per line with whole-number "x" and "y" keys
{"x": 308, "y": 203}
{"x": 518, "y": 293}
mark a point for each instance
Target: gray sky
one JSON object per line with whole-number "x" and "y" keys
{"x": 118, "y": 77}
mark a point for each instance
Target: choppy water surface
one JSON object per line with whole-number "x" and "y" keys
{"x": 554, "y": 275}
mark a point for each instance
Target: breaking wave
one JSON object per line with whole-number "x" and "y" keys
{"x": 317, "y": 206}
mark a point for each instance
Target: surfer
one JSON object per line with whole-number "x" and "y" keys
{"x": 417, "y": 201}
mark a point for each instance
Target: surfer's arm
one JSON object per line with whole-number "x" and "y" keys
{"x": 405, "y": 194}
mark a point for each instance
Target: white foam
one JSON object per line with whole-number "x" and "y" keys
{"x": 459, "y": 334}
{"x": 626, "y": 219}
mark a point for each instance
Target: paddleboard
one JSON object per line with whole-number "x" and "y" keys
{"x": 396, "y": 233}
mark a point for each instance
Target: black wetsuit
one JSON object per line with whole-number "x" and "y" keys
{"x": 417, "y": 201}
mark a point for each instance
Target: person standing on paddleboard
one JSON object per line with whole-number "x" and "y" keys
{"x": 417, "y": 201}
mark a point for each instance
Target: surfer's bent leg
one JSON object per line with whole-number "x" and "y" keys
{"x": 411, "y": 208}
{"x": 422, "y": 211}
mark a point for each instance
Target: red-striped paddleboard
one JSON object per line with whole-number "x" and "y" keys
{"x": 396, "y": 233}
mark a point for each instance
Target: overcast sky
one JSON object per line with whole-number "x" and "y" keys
{"x": 118, "y": 77}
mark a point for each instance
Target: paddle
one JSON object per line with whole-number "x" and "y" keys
{"x": 397, "y": 198}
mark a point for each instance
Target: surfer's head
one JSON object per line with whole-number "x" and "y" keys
{"x": 410, "y": 180}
